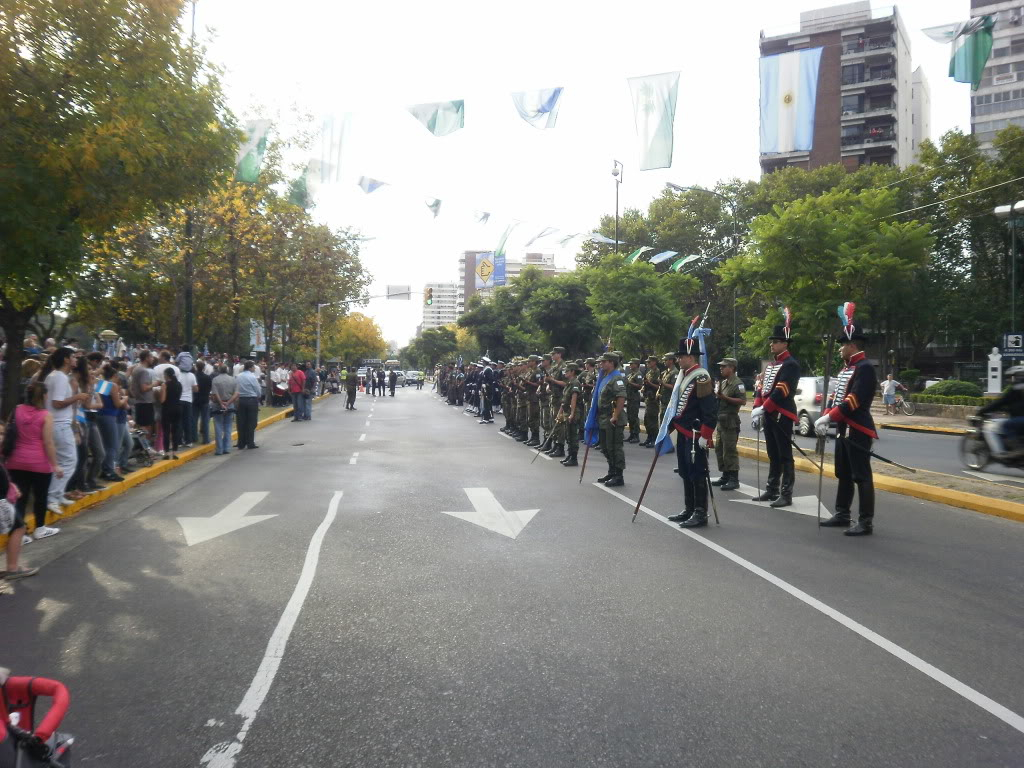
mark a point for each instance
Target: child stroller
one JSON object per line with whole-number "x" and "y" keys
{"x": 23, "y": 744}
{"x": 142, "y": 452}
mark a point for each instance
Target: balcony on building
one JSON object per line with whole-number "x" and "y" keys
{"x": 863, "y": 107}
{"x": 862, "y": 48}
{"x": 879, "y": 135}
{"x": 874, "y": 76}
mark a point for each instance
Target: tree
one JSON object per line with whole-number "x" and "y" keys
{"x": 352, "y": 338}
{"x": 634, "y": 306}
{"x": 818, "y": 252}
{"x": 433, "y": 346}
{"x": 106, "y": 114}
{"x": 559, "y": 308}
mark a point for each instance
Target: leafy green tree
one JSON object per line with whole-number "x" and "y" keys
{"x": 558, "y": 307}
{"x": 818, "y": 252}
{"x": 106, "y": 114}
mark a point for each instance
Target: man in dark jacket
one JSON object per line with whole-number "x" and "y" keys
{"x": 392, "y": 380}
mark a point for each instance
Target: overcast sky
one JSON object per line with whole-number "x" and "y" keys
{"x": 374, "y": 59}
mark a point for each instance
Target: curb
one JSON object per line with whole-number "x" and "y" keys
{"x": 143, "y": 475}
{"x": 922, "y": 428}
{"x": 972, "y": 501}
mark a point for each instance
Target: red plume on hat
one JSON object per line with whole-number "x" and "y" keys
{"x": 788, "y": 320}
{"x": 846, "y": 311}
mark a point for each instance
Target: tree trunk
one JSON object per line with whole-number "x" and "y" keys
{"x": 14, "y": 324}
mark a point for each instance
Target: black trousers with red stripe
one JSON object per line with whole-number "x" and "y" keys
{"x": 853, "y": 470}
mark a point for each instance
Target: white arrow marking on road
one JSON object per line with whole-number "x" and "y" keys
{"x": 231, "y": 518}
{"x": 488, "y": 513}
{"x": 802, "y": 505}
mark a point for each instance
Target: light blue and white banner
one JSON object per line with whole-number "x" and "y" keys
{"x": 663, "y": 256}
{"x": 538, "y": 108}
{"x": 789, "y": 89}
{"x": 654, "y": 107}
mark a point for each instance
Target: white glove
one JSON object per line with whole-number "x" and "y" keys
{"x": 821, "y": 425}
{"x": 755, "y": 423}
{"x": 702, "y": 443}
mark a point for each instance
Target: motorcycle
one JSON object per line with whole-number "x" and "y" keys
{"x": 23, "y": 744}
{"x": 979, "y": 446}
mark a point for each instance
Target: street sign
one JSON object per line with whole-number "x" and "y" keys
{"x": 1013, "y": 345}
{"x": 400, "y": 292}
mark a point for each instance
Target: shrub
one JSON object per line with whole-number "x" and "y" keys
{"x": 949, "y": 400}
{"x": 909, "y": 377}
{"x": 955, "y": 388}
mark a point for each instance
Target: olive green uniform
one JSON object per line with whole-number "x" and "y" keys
{"x": 727, "y": 432}
{"x": 544, "y": 399}
{"x": 634, "y": 385}
{"x": 611, "y": 434}
{"x": 652, "y": 417}
{"x": 572, "y": 421}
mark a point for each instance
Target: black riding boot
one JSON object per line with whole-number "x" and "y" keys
{"x": 721, "y": 480}
{"x": 698, "y": 520}
{"x": 786, "y": 491}
{"x": 570, "y": 460}
{"x": 771, "y": 489}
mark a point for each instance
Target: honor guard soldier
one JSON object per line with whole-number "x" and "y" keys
{"x": 851, "y": 411}
{"x": 775, "y": 409}
{"x": 589, "y": 380}
{"x": 651, "y": 388}
{"x": 634, "y": 391}
{"x": 695, "y": 419}
{"x": 731, "y": 396}
{"x": 611, "y": 405}
{"x": 571, "y": 413}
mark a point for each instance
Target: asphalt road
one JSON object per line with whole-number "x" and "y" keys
{"x": 363, "y": 626}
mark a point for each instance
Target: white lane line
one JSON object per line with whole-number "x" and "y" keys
{"x": 354, "y": 457}
{"x": 362, "y": 437}
{"x": 1005, "y": 714}
{"x": 366, "y": 423}
{"x": 223, "y": 755}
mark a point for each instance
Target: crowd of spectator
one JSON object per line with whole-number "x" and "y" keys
{"x": 86, "y": 419}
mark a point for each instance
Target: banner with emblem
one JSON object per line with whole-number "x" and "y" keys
{"x": 789, "y": 89}
{"x": 484, "y": 270}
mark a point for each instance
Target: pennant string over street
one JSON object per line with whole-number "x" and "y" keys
{"x": 538, "y": 108}
{"x": 441, "y": 118}
{"x": 789, "y": 89}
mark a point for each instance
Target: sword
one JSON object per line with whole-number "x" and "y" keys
{"x": 817, "y": 466}
{"x": 820, "y": 443}
{"x": 880, "y": 458}
{"x": 707, "y": 479}
{"x": 758, "y": 435}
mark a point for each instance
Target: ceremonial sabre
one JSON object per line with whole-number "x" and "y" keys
{"x": 820, "y": 447}
{"x": 803, "y": 453}
{"x": 868, "y": 451}
{"x": 707, "y": 479}
{"x": 586, "y": 452}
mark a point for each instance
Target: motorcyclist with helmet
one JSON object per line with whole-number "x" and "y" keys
{"x": 1011, "y": 403}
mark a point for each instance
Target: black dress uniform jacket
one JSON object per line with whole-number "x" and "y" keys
{"x": 778, "y": 386}
{"x": 697, "y": 410}
{"x": 855, "y": 389}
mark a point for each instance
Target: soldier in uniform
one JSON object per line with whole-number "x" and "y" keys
{"x": 611, "y": 404}
{"x": 571, "y": 413}
{"x": 534, "y": 378}
{"x": 589, "y": 380}
{"x": 731, "y": 397}
{"x": 555, "y": 382}
{"x": 695, "y": 419}
{"x": 666, "y": 385}
{"x": 544, "y": 399}
{"x": 522, "y": 403}
{"x": 851, "y": 410}
{"x": 652, "y": 422}
{"x": 634, "y": 390}
{"x": 775, "y": 409}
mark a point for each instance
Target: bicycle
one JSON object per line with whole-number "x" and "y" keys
{"x": 909, "y": 407}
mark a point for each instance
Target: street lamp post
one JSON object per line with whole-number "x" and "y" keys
{"x": 735, "y": 244}
{"x": 617, "y": 175}
{"x": 189, "y": 254}
{"x": 1011, "y": 212}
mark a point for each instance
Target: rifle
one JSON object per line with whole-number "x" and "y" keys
{"x": 586, "y": 452}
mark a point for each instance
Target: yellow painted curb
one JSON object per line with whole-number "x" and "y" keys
{"x": 987, "y": 506}
{"x": 921, "y": 428}
{"x": 143, "y": 475}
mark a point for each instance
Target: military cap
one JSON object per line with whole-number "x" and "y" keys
{"x": 534, "y": 358}
{"x": 572, "y": 367}
{"x": 611, "y": 357}
{"x": 652, "y": 356}
{"x": 635, "y": 360}
{"x": 591, "y": 361}
{"x": 547, "y": 357}
{"x": 669, "y": 356}
{"x": 560, "y": 350}
{"x": 501, "y": 362}
{"x": 618, "y": 354}
{"x": 729, "y": 361}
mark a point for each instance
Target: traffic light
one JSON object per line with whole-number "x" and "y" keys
{"x": 428, "y": 296}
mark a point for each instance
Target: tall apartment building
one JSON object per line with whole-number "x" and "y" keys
{"x": 999, "y": 101}
{"x": 445, "y": 309}
{"x": 921, "y": 115}
{"x": 513, "y": 267}
{"x": 864, "y": 112}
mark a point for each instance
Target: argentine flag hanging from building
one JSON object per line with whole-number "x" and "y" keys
{"x": 789, "y": 87}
